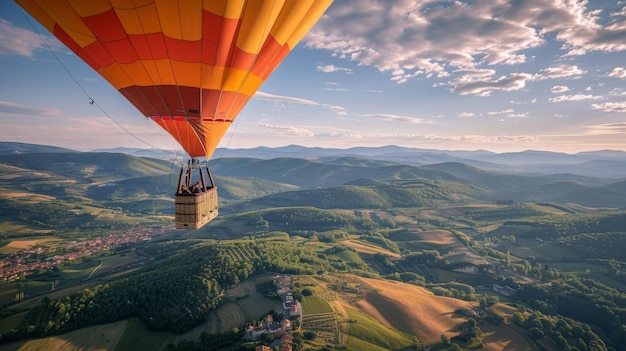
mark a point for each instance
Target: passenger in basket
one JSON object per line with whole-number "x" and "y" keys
{"x": 196, "y": 187}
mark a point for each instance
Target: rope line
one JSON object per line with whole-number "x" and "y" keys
{"x": 91, "y": 100}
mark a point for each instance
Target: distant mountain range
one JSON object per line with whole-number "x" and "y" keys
{"x": 371, "y": 177}
{"x": 609, "y": 164}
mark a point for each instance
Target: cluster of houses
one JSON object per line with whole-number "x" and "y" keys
{"x": 278, "y": 324}
{"x": 24, "y": 262}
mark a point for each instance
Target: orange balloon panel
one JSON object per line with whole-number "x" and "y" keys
{"x": 191, "y": 132}
{"x": 190, "y": 65}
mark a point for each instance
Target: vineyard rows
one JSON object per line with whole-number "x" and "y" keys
{"x": 241, "y": 290}
{"x": 239, "y": 253}
{"x": 324, "y": 325}
{"x": 230, "y": 316}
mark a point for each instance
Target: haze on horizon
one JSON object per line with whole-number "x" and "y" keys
{"x": 450, "y": 75}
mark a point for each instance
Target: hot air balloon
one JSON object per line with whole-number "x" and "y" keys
{"x": 188, "y": 65}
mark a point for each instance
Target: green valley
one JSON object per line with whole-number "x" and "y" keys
{"x": 381, "y": 255}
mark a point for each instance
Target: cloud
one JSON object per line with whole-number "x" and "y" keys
{"x": 507, "y": 111}
{"x": 396, "y": 118}
{"x": 13, "y": 108}
{"x": 523, "y": 102}
{"x": 517, "y": 115}
{"x": 617, "y": 92}
{"x": 466, "y": 114}
{"x": 278, "y": 99}
{"x": 18, "y": 41}
{"x": 406, "y": 38}
{"x": 618, "y": 72}
{"x": 559, "y": 89}
{"x": 333, "y": 68}
{"x": 484, "y": 86}
{"x": 609, "y": 128}
{"x": 484, "y": 138}
{"x": 288, "y": 130}
{"x": 560, "y": 71}
{"x": 610, "y": 106}
{"x": 483, "y": 82}
{"x": 281, "y": 98}
{"x": 575, "y": 97}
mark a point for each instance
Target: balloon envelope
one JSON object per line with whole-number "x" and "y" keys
{"x": 189, "y": 65}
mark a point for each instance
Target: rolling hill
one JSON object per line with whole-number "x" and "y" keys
{"x": 387, "y": 195}
{"x": 87, "y": 166}
{"x": 147, "y": 184}
{"x": 436, "y": 226}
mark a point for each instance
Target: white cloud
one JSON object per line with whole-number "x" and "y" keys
{"x": 484, "y": 86}
{"x": 482, "y": 82}
{"x": 486, "y": 138}
{"x": 559, "y": 89}
{"x": 333, "y": 68}
{"x": 517, "y": 115}
{"x": 523, "y": 102}
{"x": 507, "y": 111}
{"x": 13, "y": 108}
{"x": 618, "y": 72}
{"x": 611, "y": 107}
{"x": 560, "y": 71}
{"x": 609, "y": 128}
{"x": 395, "y": 118}
{"x": 288, "y": 130}
{"x": 617, "y": 92}
{"x": 466, "y": 114}
{"x": 279, "y": 99}
{"x": 18, "y": 41}
{"x": 406, "y": 38}
{"x": 575, "y": 97}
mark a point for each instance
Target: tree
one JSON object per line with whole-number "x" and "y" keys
{"x": 445, "y": 339}
{"x": 518, "y": 318}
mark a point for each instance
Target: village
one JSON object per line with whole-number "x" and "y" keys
{"x": 37, "y": 258}
{"x": 278, "y": 324}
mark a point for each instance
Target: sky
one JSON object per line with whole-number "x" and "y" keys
{"x": 496, "y": 75}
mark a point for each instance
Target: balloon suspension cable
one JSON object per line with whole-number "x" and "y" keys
{"x": 91, "y": 100}
{"x": 230, "y": 137}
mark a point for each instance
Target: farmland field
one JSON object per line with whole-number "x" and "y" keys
{"x": 412, "y": 309}
{"x": 137, "y": 336}
{"x": 20, "y": 245}
{"x": 230, "y": 316}
{"x": 100, "y": 337}
{"x": 12, "y": 322}
{"x": 314, "y": 304}
{"x": 257, "y": 305}
{"x": 80, "y": 271}
{"x": 368, "y": 248}
{"x": 504, "y": 338}
{"x": 365, "y": 327}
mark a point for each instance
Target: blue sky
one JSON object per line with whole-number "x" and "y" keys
{"x": 453, "y": 75}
